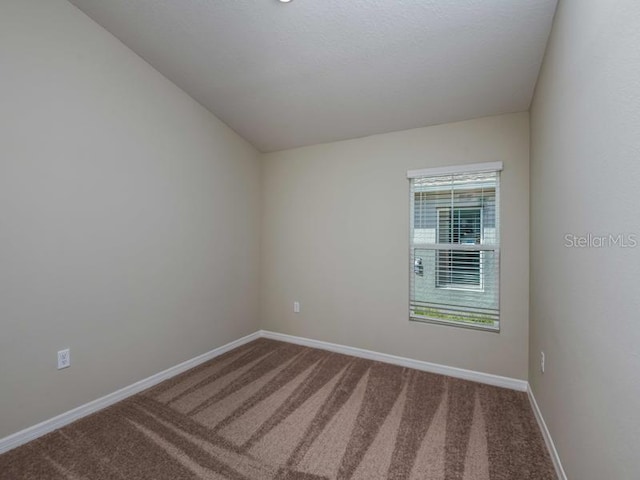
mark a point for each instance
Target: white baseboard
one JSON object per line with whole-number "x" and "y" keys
{"x": 42, "y": 428}
{"x": 555, "y": 458}
{"x": 487, "y": 378}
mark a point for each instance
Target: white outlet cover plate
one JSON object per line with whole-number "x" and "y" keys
{"x": 64, "y": 358}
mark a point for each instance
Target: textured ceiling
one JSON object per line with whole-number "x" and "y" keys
{"x": 313, "y": 71}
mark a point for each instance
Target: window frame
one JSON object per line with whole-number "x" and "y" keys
{"x": 470, "y": 317}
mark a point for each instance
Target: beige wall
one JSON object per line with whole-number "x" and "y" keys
{"x": 585, "y": 178}
{"x": 335, "y": 237}
{"x": 129, "y": 217}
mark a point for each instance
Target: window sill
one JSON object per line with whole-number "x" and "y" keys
{"x": 452, "y": 323}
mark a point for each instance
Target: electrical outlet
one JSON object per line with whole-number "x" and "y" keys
{"x": 296, "y": 307}
{"x": 64, "y": 358}
{"x": 542, "y": 362}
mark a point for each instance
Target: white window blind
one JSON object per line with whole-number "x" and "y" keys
{"x": 455, "y": 246}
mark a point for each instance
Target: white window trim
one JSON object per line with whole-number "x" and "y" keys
{"x": 455, "y": 169}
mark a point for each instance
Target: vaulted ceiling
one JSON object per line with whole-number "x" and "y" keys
{"x": 284, "y": 75}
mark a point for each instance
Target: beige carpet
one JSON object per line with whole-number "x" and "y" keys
{"x": 271, "y": 410}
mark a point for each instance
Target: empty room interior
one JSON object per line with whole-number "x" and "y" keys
{"x": 317, "y": 240}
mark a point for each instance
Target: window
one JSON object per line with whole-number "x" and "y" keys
{"x": 455, "y": 248}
